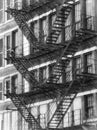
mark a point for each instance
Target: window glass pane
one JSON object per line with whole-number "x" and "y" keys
{"x": 26, "y": 46}
{"x": 8, "y": 48}
{"x": 1, "y": 45}
{"x": 77, "y": 15}
{"x": 1, "y": 59}
{"x": 89, "y": 107}
{"x": 1, "y": 52}
{"x": 26, "y": 86}
{"x": 14, "y": 83}
{"x": 89, "y": 61}
{"x": 44, "y": 29}
{"x": 1, "y": 121}
{"x": 43, "y": 117}
{"x": 14, "y": 120}
{"x": 8, "y": 4}
{"x": 52, "y": 108}
{"x": 1, "y": 11}
{"x": 8, "y": 86}
{"x": 7, "y": 123}
{"x": 69, "y": 72}
{"x": 1, "y": 16}
{"x": 90, "y": 7}
{"x": 1, "y": 91}
{"x": 34, "y": 111}
{"x": 1, "y": 4}
{"x": 78, "y": 65}
{"x": 14, "y": 38}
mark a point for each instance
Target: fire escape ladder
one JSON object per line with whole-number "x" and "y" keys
{"x": 21, "y": 66}
{"x": 25, "y": 111}
{"x": 64, "y": 103}
{"x": 62, "y": 61}
{"x": 23, "y": 25}
{"x": 60, "y": 20}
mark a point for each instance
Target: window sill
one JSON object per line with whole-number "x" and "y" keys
{"x": 5, "y": 100}
{"x": 7, "y": 21}
{"x": 90, "y": 119}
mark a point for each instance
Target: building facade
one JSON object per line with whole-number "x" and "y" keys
{"x": 82, "y": 113}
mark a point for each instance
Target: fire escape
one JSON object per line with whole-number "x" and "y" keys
{"x": 61, "y": 53}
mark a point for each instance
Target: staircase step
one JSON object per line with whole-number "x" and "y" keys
{"x": 24, "y": 111}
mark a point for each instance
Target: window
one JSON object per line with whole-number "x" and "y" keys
{"x": 26, "y": 46}
{"x": 51, "y": 21}
{"x": 7, "y": 86}
{"x": 52, "y": 18}
{"x": 26, "y": 86}
{"x": 43, "y": 74}
{"x": 77, "y": 15}
{"x": 1, "y": 121}
{"x": 36, "y": 74}
{"x": 78, "y": 65}
{"x": 89, "y": 107}
{"x": 43, "y": 115}
{"x": 90, "y": 6}
{"x": 1, "y": 11}
{"x": 14, "y": 38}
{"x": 11, "y": 42}
{"x": 15, "y": 121}
{"x": 8, "y": 4}
{"x": 11, "y": 4}
{"x": 89, "y": 63}
{"x": 8, "y": 48}
{"x": 15, "y": 41}
{"x": 1, "y": 91}
{"x": 1, "y": 52}
{"x": 14, "y": 81}
{"x": 7, "y": 121}
{"x": 44, "y": 29}
{"x": 68, "y": 29}
{"x": 69, "y": 72}
{"x": 35, "y": 28}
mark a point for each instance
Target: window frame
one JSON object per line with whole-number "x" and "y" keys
{"x": 43, "y": 29}
{"x": 2, "y": 52}
{"x": 8, "y": 79}
{"x": 89, "y": 64}
{"x": 16, "y": 84}
{"x": 79, "y": 66}
{"x": 12, "y": 4}
{"x": 1, "y": 91}
{"x": 2, "y": 13}
{"x": 89, "y": 105}
{"x": 6, "y": 49}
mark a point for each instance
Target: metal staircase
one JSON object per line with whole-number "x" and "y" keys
{"x": 21, "y": 22}
{"x": 61, "y": 63}
{"x": 71, "y": 47}
{"x": 68, "y": 95}
{"x": 22, "y": 67}
{"x": 59, "y": 23}
{"x": 54, "y": 34}
{"x": 25, "y": 111}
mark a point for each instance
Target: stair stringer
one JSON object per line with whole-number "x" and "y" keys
{"x": 59, "y": 114}
{"x": 59, "y": 22}
{"x": 26, "y": 30}
{"x": 24, "y": 111}
{"x": 20, "y": 66}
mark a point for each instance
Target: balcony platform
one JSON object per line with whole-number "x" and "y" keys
{"x": 53, "y": 91}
